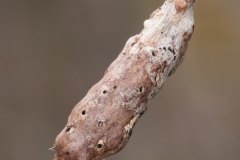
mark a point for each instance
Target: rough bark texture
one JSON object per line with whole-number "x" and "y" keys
{"x": 102, "y": 122}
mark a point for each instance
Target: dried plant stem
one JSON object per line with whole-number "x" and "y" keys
{"x": 102, "y": 122}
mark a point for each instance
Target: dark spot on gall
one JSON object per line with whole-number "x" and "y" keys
{"x": 174, "y": 58}
{"x": 164, "y": 48}
{"x": 68, "y": 129}
{"x": 83, "y": 112}
{"x": 164, "y": 66}
{"x": 133, "y": 44}
{"x": 141, "y": 113}
{"x": 100, "y": 124}
{"x": 153, "y": 53}
{"x": 170, "y": 49}
{"x": 99, "y": 145}
{"x": 67, "y": 153}
{"x": 129, "y": 133}
{"x": 115, "y": 87}
{"x": 104, "y": 91}
{"x": 141, "y": 89}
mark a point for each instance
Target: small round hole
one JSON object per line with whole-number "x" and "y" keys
{"x": 67, "y": 153}
{"x": 83, "y": 112}
{"x": 68, "y": 129}
{"x": 153, "y": 53}
{"x": 141, "y": 89}
{"x": 104, "y": 91}
{"x": 100, "y": 124}
{"x": 99, "y": 145}
{"x": 115, "y": 87}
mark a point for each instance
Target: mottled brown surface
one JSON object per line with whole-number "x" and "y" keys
{"x": 102, "y": 122}
{"x": 109, "y": 107}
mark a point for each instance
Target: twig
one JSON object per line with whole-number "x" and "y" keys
{"x": 102, "y": 122}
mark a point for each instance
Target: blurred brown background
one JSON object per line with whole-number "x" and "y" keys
{"x": 53, "y": 51}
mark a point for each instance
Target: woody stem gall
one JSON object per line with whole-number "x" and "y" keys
{"x": 102, "y": 122}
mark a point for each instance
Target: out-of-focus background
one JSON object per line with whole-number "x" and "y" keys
{"x": 53, "y": 51}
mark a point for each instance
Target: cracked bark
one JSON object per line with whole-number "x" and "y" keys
{"x": 102, "y": 122}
